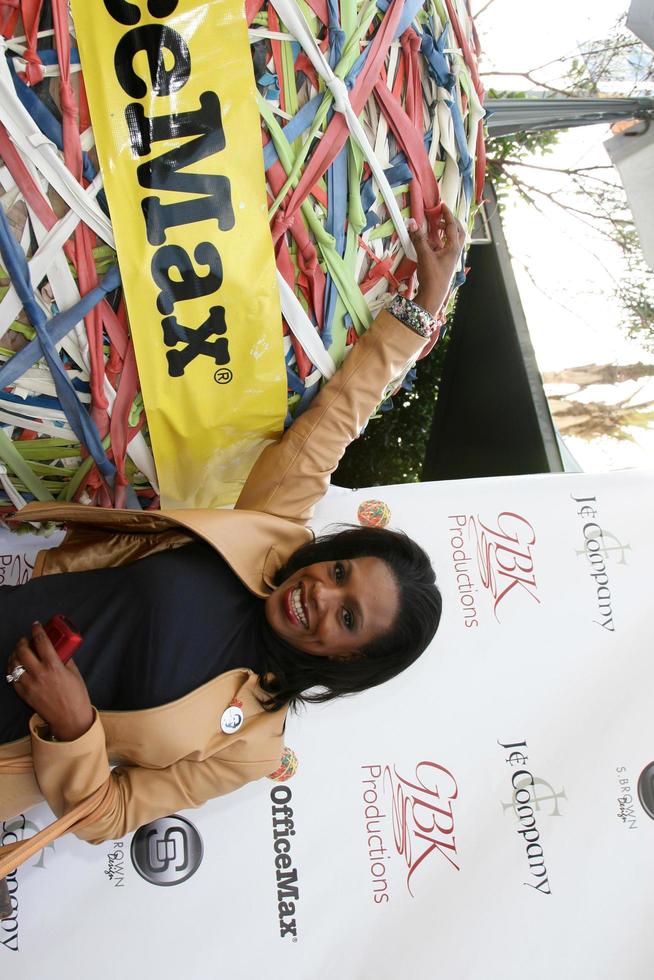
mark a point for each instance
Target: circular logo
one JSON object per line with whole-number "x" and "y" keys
{"x": 374, "y": 513}
{"x": 232, "y": 719}
{"x": 646, "y": 789}
{"x": 223, "y": 376}
{"x": 167, "y": 851}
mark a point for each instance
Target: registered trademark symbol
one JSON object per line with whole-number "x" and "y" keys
{"x": 223, "y": 376}
{"x": 295, "y": 939}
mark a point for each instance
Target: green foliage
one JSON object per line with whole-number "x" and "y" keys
{"x": 635, "y": 285}
{"x": 506, "y": 150}
{"x": 392, "y": 448}
{"x": 516, "y": 147}
{"x": 635, "y": 290}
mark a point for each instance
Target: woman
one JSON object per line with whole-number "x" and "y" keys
{"x": 345, "y": 612}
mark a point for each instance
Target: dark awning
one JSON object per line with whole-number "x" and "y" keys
{"x": 492, "y": 416}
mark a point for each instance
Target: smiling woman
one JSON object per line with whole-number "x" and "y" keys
{"x": 361, "y": 602}
{"x": 335, "y": 608}
{"x": 201, "y": 628}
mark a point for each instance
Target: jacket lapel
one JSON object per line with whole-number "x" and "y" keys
{"x": 190, "y": 728}
{"x": 254, "y": 544}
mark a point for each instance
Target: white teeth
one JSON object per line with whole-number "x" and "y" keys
{"x": 296, "y": 602}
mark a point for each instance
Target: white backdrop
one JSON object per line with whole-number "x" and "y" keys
{"x": 415, "y": 853}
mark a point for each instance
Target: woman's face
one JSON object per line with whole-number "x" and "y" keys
{"x": 334, "y": 608}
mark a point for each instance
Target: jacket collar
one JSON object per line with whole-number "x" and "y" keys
{"x": 274, "y": 561}
{"x": 272, "y": 564}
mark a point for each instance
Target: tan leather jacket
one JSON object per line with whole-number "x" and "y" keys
{"x": 176, "y": 756}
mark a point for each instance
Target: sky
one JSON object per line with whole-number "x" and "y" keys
{"x": 563, "y": 270}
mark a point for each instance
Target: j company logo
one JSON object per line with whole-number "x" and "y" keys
{"x": 12, "y": 832}
{"x": 492, "y": 558}
{"x": 167, "y": 851}
{"x": 534, "y": 801}
{"x": 602, "y": 552}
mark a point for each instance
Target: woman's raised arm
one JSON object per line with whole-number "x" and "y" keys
{"x": 291, "y": 476}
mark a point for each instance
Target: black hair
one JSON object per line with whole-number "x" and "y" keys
{"x": 288, "y": 673}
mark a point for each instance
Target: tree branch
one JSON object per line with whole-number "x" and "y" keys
{"x": 575, "y": 54}
{"x": 483, "y": 9}
{"x": 537, "y": 285}
{"x": 524, "y": 188}
{"x": 528, "y": 76}
{"x": 561, "y": 170}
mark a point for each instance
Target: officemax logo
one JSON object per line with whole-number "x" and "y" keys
{"x": 167, "y": 851}
{"x": 286, "y": 876}
{"x": 193, "y": 137}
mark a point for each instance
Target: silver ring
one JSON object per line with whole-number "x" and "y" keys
{"x": 15, "y": 675}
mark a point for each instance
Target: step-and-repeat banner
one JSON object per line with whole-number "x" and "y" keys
{"x": 173, "y": 103}
{"x": 488, "y": 814}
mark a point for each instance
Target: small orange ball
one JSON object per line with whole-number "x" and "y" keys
{"x": 373, "y": 513}
{"x": 288, "y": 766}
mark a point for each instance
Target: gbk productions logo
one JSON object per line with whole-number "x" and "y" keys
{"x": 410, "y": 815}
{"x": 167, "y": 851}
{"x": 493, "y": 559}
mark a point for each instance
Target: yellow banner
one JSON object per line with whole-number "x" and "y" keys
{"x": 172, "y": 97}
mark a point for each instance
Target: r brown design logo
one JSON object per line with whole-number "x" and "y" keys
{"x": 167, "y": 851}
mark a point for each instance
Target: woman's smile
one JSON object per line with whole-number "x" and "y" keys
{"x": 295, "y": 606}
{"x": 334, "y": 608}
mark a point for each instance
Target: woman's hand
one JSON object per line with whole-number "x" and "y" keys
{"x": 55, "y": 691}
{"x": 437, "y": 260}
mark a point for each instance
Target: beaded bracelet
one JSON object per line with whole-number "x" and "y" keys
{"x": 413, "y": 316}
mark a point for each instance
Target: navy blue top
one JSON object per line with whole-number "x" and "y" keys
{"x": 153, "y": 630}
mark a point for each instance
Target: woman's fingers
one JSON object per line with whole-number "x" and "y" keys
{"x": 419, "y": 239}
{"x": 425, "y": 248}
{"x": 73, "y": 668}
{"x": 58, "y": 695}
{"x": 451, "y": 231}
{"x": 32, "y": 656}
{"x": 454, "y": 231}
{"x": 24, "y": 656}
{"x": 42, "y": 644}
